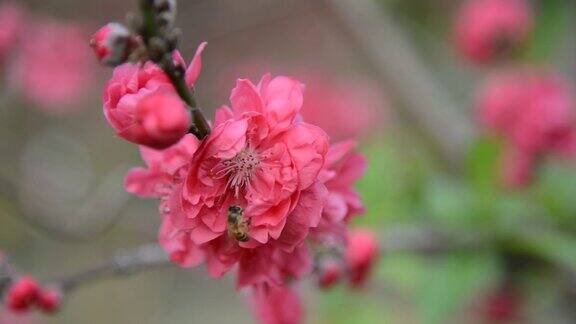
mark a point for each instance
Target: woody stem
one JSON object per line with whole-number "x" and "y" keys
{"x": 151, "y": 29}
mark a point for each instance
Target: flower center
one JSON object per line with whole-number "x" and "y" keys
{"x": 239, "y": 169}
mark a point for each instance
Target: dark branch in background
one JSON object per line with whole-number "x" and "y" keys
{"x": 152, "y": 256}
{"x": 161, "y": 40}
{"x": 426, "y": 240}
{"x": 387, "y": 48}
{"x": 124, "y": 262}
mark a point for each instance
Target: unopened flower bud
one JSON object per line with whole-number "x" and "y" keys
{"x": 113, "y": 44}
{"x": 166, "y": 11}
{"x": 163, "y": 120}
{"x": 49, "y": 300}
{"x": 329, "y": 274}
{"x": 361, "y": 254}
{"x": 22, "y": 294}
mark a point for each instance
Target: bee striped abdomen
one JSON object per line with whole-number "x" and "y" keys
{"x": 237, "y": 224}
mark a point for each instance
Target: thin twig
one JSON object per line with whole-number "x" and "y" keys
{"x": 145, "y": 257}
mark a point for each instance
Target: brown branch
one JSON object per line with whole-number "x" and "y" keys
{"x": 386, "y": 46}
{"x": 145, "y": 257}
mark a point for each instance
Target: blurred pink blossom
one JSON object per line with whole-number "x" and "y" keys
{"x": 53, "y": 69}
{"x": 533, "y": 111}
{"x": 345, "y": 108}
{"x": 11, "y": 25}
{"x": 487, "y": 29}
{"x": 276, "y": 305}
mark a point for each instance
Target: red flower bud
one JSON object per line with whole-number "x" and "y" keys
{"x": 361, "y": 253}
{"x": 502, "y": 305}
{"x": 112, "y": 44}
{"x": 49, "y": 300}
{"x": 161, "y": 120}
{"x": 330, "y": 274}
{"x": 22, "y": 294}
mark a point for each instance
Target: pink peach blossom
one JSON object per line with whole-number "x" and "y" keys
{"x": 163, "y": 168}
{"x": 343, "y": 168}
{"x": 276, "y": 305}
{"x": 486, "y": 29}
{"x": 54, "y": 80}
{"x": 130, "y": 84}
{"x": 259, "y": 159}
{"x": 533, "y": 111}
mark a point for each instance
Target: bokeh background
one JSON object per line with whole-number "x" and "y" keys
{"x": 386, "y": 72}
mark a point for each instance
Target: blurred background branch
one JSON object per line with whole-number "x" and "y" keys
{"x": 387, "y": 48}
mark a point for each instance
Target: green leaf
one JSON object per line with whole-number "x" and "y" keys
{"x": 342, "y": 306}
{"x": 453, "y": 282}
{"x": 556, "y": 190}
{"x": 482, "y": 164}
{"x": 551, "y": 26}
{"x": 448, "y": 202}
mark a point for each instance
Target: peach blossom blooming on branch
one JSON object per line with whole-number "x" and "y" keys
{"x": 533, "y": 111}
{"x": 262, "y": 157}
{"x": 488, "y": 29}
{"x": 259, "y": 192}
{"x": 259, "y": 158}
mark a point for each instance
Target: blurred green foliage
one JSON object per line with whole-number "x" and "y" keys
{"x": 403, "y": 188}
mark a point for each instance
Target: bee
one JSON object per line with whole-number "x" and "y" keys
{"x": 237, "y": 224}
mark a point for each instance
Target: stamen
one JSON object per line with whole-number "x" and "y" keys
{"x": 239, "y": 169}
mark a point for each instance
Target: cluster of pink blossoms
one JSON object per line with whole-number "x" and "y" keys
{"x": 486, "y": 30}
{"x": 531, "y": 109}
{"x": 534, "y": 112}
{"x": 263, "y": 194}
{"x": 53, "y": 80}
